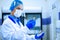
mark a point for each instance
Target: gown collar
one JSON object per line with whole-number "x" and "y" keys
{"x": 13, "y": 18}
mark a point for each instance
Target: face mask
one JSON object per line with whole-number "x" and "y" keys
{"x": 18, "y": 13}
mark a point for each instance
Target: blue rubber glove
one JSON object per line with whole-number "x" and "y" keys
{"x": 38, "y": 36}
{"x": 30, "y": 24}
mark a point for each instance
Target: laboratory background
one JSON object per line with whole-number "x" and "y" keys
{"x": 45, "y": 12}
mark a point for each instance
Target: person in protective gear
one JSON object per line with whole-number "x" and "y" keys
{"x": 12, "y": 28}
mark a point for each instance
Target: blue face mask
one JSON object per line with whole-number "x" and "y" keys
{"x": 18, "y": 13}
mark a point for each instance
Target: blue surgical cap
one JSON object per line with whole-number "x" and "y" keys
{"x": 14, "y": 4}
{"x": 30, "y": 24}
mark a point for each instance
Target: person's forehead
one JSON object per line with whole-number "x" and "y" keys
{"x": 20, "y": 6}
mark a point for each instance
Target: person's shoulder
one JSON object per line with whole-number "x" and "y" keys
{"x": 6, "y": 21}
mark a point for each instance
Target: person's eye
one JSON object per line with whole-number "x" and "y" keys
{"x": 18, "y": 8}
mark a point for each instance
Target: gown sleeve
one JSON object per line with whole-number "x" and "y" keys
{"x": 9, "y": 33}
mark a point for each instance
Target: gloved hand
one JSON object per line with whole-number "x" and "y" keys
{"x": 30, "y": 24}
{"x": 38, "y": 36}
